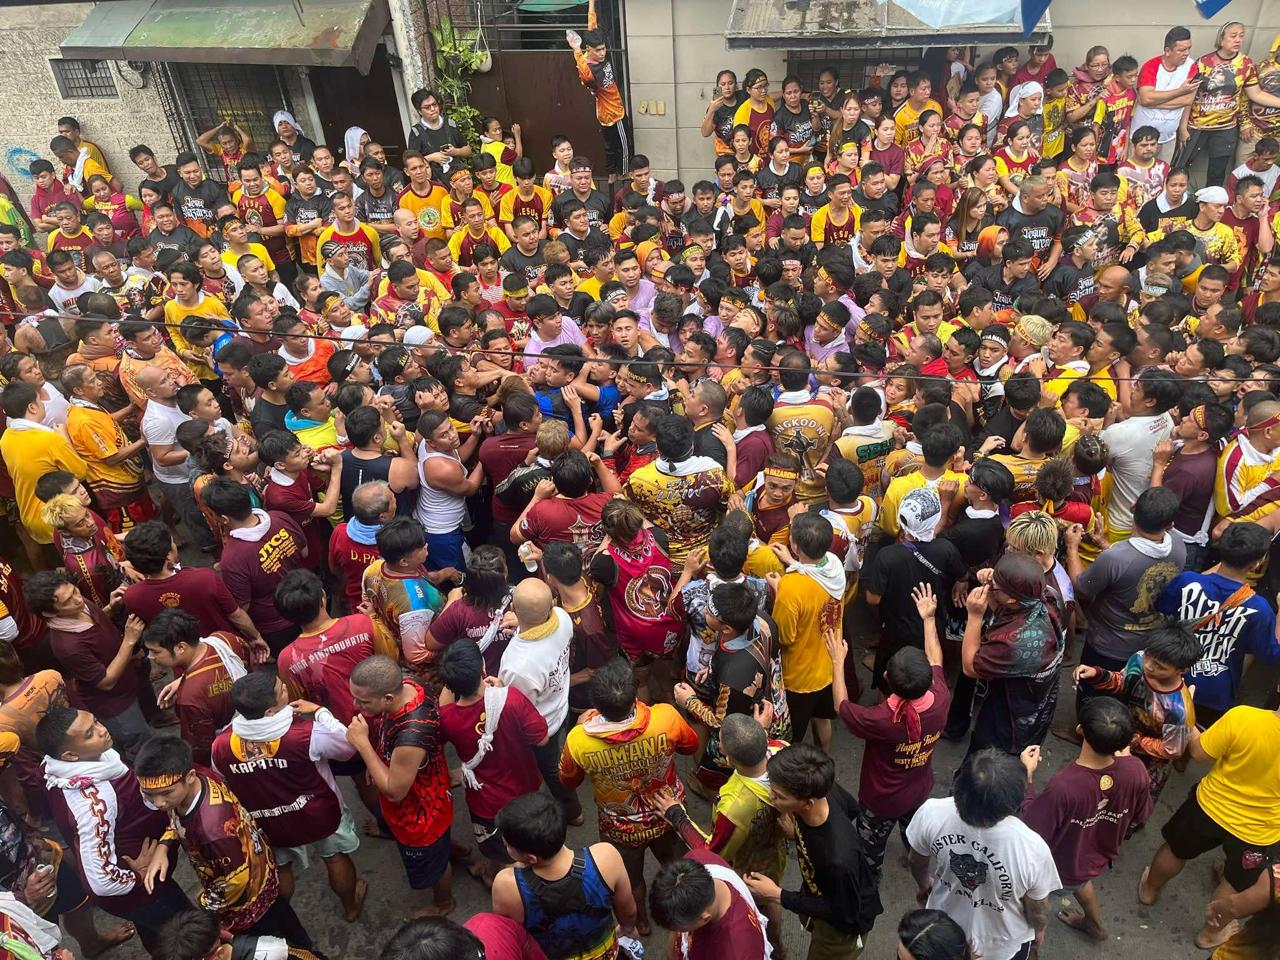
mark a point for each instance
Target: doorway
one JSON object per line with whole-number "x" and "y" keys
{"x": 347, "y": 98}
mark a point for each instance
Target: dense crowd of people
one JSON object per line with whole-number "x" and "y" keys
{"x": 931, "y": 396}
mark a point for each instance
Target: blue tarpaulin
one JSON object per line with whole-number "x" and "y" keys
{"x": 1033, "y": 10}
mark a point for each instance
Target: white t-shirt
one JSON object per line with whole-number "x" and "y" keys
{"x": 160, "y": 427}
{"x": 65, "y": 299}
{"x": 1164, "y": 119}
{"x": 1268, "y": 177}
{"x": 1131, "y": 445}
{"x": 540, "y": 670}
{"x": 981, "y": 874}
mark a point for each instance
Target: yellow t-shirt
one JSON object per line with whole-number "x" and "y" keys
{"x": 907, "y": 120}
{"x": 426, "y": 209}
{"x": 803, "y": 611}
{"x": 95, "y": 436}
{"x": 899, "y": 487}
{"x": 29, "y": 455}
{"x": 175, "y": 313}
{"x": 231, "y": 259}
{"x": 1242, "y": 791}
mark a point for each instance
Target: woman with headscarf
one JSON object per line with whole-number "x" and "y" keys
{"x": 1025, "y": 101}
{"x": 353, "y": 142}
{"x": 291, "y": 135}
{"x": 1013, "y": 645}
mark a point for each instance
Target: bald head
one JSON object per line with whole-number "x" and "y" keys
{"x": 373, "y": 502}
{"x": 403, "y": 217}
{"x": 531, "y": 602}
{"x": 1262, "y": 412}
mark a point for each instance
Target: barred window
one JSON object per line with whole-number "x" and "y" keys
{"x": 83, "y": 79}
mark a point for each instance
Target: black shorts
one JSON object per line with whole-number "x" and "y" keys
{"x": 426, "y": 865}
{"x": 805, "y": 707}
{"x": 1191, "y": 832}
{"x": 617, "y": 147}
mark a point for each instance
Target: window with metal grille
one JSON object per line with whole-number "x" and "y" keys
{"x": 197, "y": 96}
{"x": 855, "y": 67}
{"x": 83, "y": 79}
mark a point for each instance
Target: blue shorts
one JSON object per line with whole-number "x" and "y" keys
{"x": 446, "y": 550}
{"x": 424, "y": 866}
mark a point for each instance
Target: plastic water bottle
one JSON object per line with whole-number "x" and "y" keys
{"x": 633, "y": 946}
{"x": 574, "y": 38}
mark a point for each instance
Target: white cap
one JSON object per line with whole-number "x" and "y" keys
{"x": 353, "y": 333}
{"x": 417, "y": 336}
{"x": 1212, "y": 195}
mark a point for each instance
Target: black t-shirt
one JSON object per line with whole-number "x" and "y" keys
{"x": 707, "y": 444}
{"x": 183, "y": 239}
{"x": 978, "y": 539}
{"x": 1004, "y": 293}
{"x": 723, "y": 117}
{"x": 1002, "y": 424}
{"x": 1038, "y": 229}
{"x": 796, "y": 127}
{"x": 770, "y": 183}
{"x": 300, "y": 209}
{"x": 840, "y": 885}
{"x": 594, "y": 238}
{"x": 1152, "y": 218}
{"x": 513, "y": 261}
{"x": 425, "y": 140}
{"x": 888, "y": 202}
{"x": 895, "y": 570}
{"x": 199, "y": 204}
{"x": 267, "y": 416}
{"x": 168, "y": 183}
{"x": 1070, "y": 283}
{"x": 371, "y": 209}
{"x": 599, "y": 210}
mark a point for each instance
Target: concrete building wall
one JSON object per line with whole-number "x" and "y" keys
{"x": 675, "y": 48}
{"x": 31, "y": 104}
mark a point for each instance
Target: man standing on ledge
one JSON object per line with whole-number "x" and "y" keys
{"x": 591, "y": 52}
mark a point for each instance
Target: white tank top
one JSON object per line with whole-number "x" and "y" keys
{"x": 437, "y": 511}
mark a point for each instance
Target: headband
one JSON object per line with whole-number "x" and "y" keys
{"x": 826, "y": 278}
{"x": 711, "y": 606}
{"x": 352, "y": 362}
{"x": 823, "y": 318}
{"x": 780, "y": 473}
{"x": 522, "y": 292}
{"x": 1266, "y": 424}
{"x": 1197, "y": 416}
{"x": 457, "y": 172}
{"x": 160, "y": 781}
{"x": 692, "y": 250}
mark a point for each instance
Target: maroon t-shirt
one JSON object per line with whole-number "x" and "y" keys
{"x": 509, "y": 769}
{"x": 1084, "y": 815}
{"x": 84, "y": 657}
{"x": 753, "y": 451}
{"x": 500, "y": 455}
{"x": 897, "y": 773}
{"x": 298, "y": 501}
{"x": 349, "y": 560}
{"x": 503, "y": 938}
{"x": 736, "y": 935}
{"x": 197, "y": 590}
{"x": 566, "y": 521}
{"x": 253, "y": 569}
{"x": 461, "y": 619}
{"x": 1191, "y": 477}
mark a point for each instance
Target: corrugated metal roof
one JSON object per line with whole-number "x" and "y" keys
{"x": 328, "y": 33}
{"x": 827, "y": 24}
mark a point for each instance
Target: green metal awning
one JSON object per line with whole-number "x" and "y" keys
{"x": 862, "y": 24}
{"x": 323, "y": 33}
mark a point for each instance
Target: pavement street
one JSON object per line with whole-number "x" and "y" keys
{"x": 1165, "y": 930}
